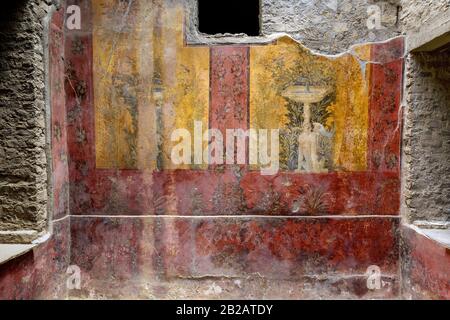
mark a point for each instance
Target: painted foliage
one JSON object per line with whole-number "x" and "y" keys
{"x": 286, "y": 77}
{"x": 338, "y": 119}
{"x": 146, "y": 82}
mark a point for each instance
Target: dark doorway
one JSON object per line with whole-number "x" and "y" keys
{"x": 229, "y": 16}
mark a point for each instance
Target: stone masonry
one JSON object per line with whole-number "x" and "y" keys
{"x": 328, "y": 27}
{"x": 23, "y": 159}
{"x": 427, "y": 137}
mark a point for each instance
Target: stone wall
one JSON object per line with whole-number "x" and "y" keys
{"x": 328, "y": 27}
{"x": 426, "y": 134}
{"x": 182, "y": 231}
{"x": 427, "y": 137}
{"x": 41, "y": 272}
{"x": 23, "y": 159}
{"x": 134, "y": 246}
{"x": 415, "y": 14}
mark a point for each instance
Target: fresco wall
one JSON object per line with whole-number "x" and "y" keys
{"x": 330, "y": 210}
{"x": 141, "y": 83}
{"x": 319, "y": 226}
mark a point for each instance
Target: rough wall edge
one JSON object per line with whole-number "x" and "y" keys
{"x": 417, "y": 229}
{"x": 48, "y": 120}
{"x": 41, "y": 236}
{"x": 277, "y": 36}
{"x": 192, "y": 36}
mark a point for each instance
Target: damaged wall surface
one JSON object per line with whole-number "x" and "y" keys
{"x": 23, "y": 159}
{"x": 128, "y": 88}
{"x": 329, "y": 27}
{"x": 39, "y": 273}
{"x": 427, "y": 137}
{"x": 426, "y": 130}
{"x": 139, "y": 225}
{"x": 416, "y": 14}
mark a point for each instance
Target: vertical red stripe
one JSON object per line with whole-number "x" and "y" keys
{"x": 229, "y": 88}
{"x": 385, "y": 100}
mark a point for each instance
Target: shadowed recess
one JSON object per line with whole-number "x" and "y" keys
{"x": 231, "y": 16}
